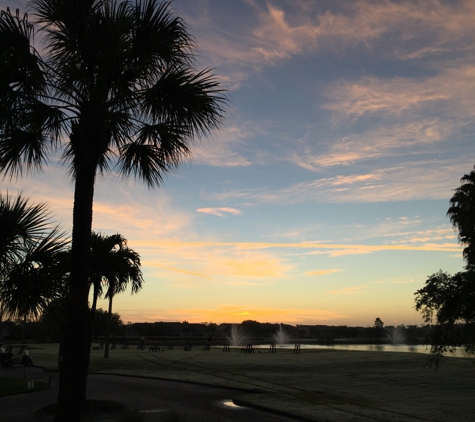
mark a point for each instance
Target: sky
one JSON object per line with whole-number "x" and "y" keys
{"x": 323, "y": 198}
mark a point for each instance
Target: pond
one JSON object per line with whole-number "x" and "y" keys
{"x": 403, "y": 348}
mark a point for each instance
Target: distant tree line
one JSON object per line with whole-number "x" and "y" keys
{"x": 47, "y": 329}
{"x": 257, "y": 332}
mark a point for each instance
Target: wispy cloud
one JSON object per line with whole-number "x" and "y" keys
{"x": 406, "y": 181}
{"x": 277, "y": 31}
{"x": 348, "y": 290}
{"x": 323, "y": 272}
{"x": 153, "y": 264}
{"x": 449, "y": 247}
{"x": 447, "y": 91}
{"x": 222, "y": 264}
{"x": 390, "y": 140}
{"x": 219, "y": 212}
{"x": 220, "y": 149}
{"x": 402, "y": 280}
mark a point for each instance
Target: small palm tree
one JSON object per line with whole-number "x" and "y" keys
{"x": 128, "y": 273}
{"x": 115, "y": 86}
{"x": 114, "y": 266}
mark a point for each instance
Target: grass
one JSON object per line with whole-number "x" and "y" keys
{"x": 135, "y": 415}
{"x": 324, "y": 384}
{"x": 10, "y": 386}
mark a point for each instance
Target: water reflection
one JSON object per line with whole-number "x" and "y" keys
{"x": 403, "y": 348}
{"x": 228, "y": 403}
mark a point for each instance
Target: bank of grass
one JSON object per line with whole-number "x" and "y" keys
{"x": 10, "y": 386}
{"x": 170, "y": 416}
{"x": 321, "y": 385}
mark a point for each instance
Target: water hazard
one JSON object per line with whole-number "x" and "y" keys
{"x": 403, "y": 348}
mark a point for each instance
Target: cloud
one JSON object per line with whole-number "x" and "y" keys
{"x": 390, "y": 140}
{"x": 402, "y": 280}
{"x": 323, "y": 272}
{"x": 219, "y": 149}
{"x": 412, "y": 180}
{"x": 347, "y": 290}
{"x": 244, "y": 246}
{"x": 179, "y": 270}
{"x": 450, "y": 91}
{"x": 220, "y": 264}
{"x": 272, "y": 32}
{"x": 219, "y": 212}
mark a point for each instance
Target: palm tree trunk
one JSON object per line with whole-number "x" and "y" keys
{"x": 92, "y": 313}
{"x": 74, "y": 364}
{"x": 109, "y": 325}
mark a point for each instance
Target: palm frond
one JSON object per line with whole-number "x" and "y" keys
{"x": 28, "y": 126}
{"x": 21, "y": 224}
{"x": 31, "y": 252}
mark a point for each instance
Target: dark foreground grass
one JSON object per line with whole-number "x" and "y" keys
{"x": 325, "y": 385}
{"x": 134, "y": 415}
{"x": 10, "y": 386}
{"x": 106, "y": 410}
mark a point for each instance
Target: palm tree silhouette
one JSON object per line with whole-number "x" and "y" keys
{"x": 115, "y": 87}
{"x": 462, "y": 215}
{"x": 30, "y": 253}
{"x": 116, "y": 266}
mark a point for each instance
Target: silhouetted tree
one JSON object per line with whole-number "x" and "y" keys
{"x": 122, "y": 269}
{"x": 251, "y": 328}
{"x": 462, "y": 215}
{"x": 449, "y": 302}
{"x": 378, "y": 329}
{"x": 113, "y": 85}
{"x": 30, "y": 249}
{"x": 101, "y": 321}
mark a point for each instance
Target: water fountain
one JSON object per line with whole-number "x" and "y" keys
{"x": 395, "y": 335}
{"x": 236, "y": 338}
{"x": 280, "y": 336}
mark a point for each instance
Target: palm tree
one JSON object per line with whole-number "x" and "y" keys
{"x": 116, "y": 266}
{"x": 102, "y": 249}
{"x": 462, "y": 215}
{"x": 117, "y": 85}
{"x": 125, "y": 272}
{"x": 30, "y": 253}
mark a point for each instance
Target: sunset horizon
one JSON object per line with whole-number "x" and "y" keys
{"x": 322, "y": 198}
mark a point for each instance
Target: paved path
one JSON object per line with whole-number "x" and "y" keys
{"x": 148, "y": 395}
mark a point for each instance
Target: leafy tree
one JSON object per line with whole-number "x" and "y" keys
{"x": 449, "y": 302}
{"x": 211, "y": 327}
{"x": 101, "y": 320}
{"x": 114, "y": 86}
{"x": 53, "y": 319}
{"x": 462, "y": 215}
{"x": 378, "y": 329}
{"x": 251, "y": 328}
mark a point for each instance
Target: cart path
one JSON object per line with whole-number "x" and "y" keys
{"x": 148, "y": 395}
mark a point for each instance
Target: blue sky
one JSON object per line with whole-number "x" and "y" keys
{"x": 323, "y": 198}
